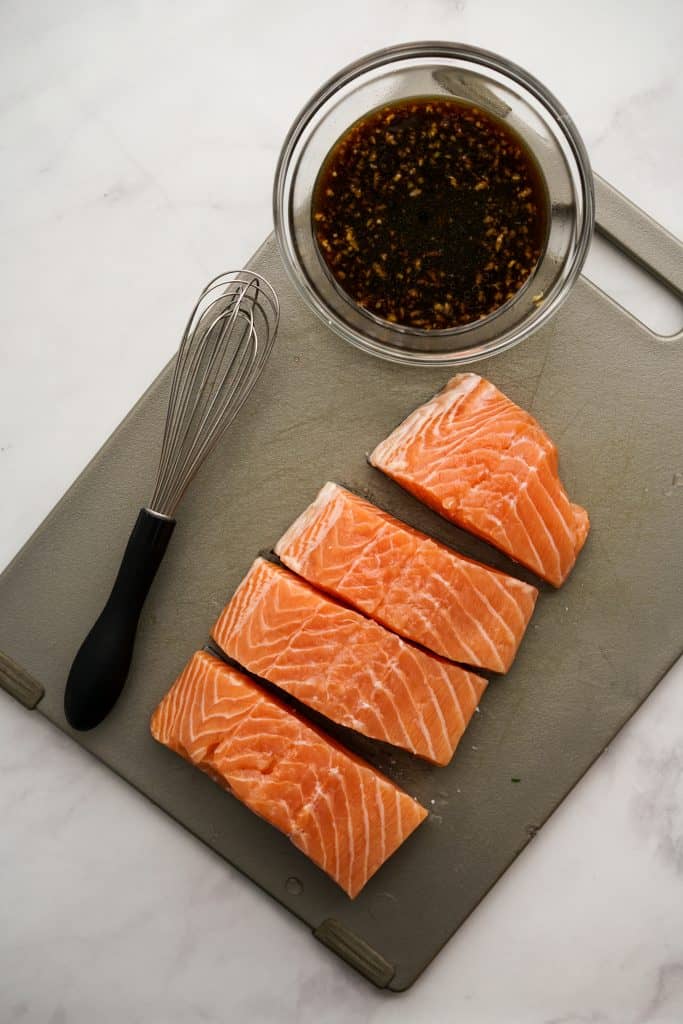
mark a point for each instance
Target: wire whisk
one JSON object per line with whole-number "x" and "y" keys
{"x": 226, "y": 344}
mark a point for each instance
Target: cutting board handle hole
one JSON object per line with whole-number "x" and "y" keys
{"x": 632, "y": 285}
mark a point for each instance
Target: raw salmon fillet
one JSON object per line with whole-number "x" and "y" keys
{"x": 408, "y": 582}
{"x": 347, "y": 667}
{"x": 338, "y": 810}
{"x": 479, "y": 460}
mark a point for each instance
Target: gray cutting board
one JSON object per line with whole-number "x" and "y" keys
{"x": 609, "y": 393}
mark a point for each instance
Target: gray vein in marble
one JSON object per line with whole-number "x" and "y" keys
{"x": 632, "y": 106}
{"x": 658, "y": 804}
{"x": 595, "y": 1017}
{"x": 667, "y": 996}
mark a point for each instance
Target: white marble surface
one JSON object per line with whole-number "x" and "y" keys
{"x": 117, "y": 201}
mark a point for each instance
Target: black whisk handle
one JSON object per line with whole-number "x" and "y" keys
{"x": 100, "y": 668}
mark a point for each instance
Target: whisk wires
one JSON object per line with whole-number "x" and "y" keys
{"x": 225, "y": 346}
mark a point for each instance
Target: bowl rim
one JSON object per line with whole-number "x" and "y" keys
{"x": 434, "y": 49}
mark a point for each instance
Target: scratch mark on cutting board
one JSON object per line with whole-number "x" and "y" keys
{"x": 539, "y": 377}
{"x": 607, "y": 659}
{"x": 576, "y": 416}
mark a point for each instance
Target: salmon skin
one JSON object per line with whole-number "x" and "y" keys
{"x": 346, "y": 666}
{"x": 347, "y": 817}
{"x": 415, "y": 586}
{"x": 479, "y": 460}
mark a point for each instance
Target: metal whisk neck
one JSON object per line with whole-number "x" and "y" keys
{"x": 226, "y": 344}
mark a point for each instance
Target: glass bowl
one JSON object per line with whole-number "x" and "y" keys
{"x": 475, "y": 77}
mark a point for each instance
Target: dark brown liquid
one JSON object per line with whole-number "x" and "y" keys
{"x": 429, "y": 213}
